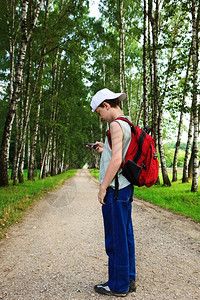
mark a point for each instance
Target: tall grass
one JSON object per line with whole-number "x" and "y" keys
{"x": 177, "y": 198}
{"x": 14, "y": 200}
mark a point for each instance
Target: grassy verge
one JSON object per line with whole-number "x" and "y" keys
{"x": 176, "y": 198}
{"x": 14, "y": 200}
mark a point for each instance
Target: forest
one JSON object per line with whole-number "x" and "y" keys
{"x": 54, "y": 56}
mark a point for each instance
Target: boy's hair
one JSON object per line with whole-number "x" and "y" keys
{"x": 113, "y": 102}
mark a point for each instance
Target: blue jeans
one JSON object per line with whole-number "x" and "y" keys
{"x": 119, "y": 238}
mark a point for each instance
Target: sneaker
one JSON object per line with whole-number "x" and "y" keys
{"x": 105, "y": 290}
{"x": 132, "y": 286}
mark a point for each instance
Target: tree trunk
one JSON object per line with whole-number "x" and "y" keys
{"x": 145, "y": 105}
{"x": 25, "y": 121}
{"x": 34, "y": 139}
{"x": 13, "y": 175}
{"x": 123, "y": 51}
{"x": 175, "y": 161}
{"x": 191, "y": 164}
{"x": 53, "y": 156}
{"x": 150, "y": 55}
{"x": 151, "y": 72}
{"x": 28, "y": 146}
{"x": 154, "y": 93}
{"x": 120, "y": 46}
{"x": 158, "y": 114}
{"x": 195, "y": 42}
{"x": 165, "y": 176}
{"x": 19, "y": 136}
{"x": 39, "y": 78}
{"x": 54, "y": 113}
{"x": 44, "y": 160}
{"x": 21, "y": 166}
{"x": 187, "y": 151}
{"x": 5, "y": 145}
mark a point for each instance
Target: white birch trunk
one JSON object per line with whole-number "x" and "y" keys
{"x": 158, "y": 109}
{"x": 195, "y": 42}
{"x": 122, "y": 59}
{"x": 187, "y": 151}
{"x": 120, "y": 48}
{"x": 175, "y": 161}
{"x": 145, "y": 105}
{"x": 34, "y": 140}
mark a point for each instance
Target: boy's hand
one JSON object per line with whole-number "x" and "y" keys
{"x": 99, "y": 147}
{"x": 101, "y": 195}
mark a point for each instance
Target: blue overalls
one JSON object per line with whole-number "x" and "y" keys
{"x": 119, "y": 238}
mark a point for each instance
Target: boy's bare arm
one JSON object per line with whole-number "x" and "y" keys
{"x": 116, "y": 159}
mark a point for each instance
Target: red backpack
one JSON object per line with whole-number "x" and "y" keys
{"x": 141, "y": 164}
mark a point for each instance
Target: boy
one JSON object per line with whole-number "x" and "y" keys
{"x": 119, "y": 237}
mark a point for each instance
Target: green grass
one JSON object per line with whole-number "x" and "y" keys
{"x": 14, "y": 200}
{"x": 177, "y": 198}
{"x": 95, "y": 173}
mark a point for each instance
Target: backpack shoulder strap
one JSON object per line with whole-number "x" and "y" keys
{"x": 108, "y": 133}
{"x": 141, "y": 138}
{"x": 127, "y": 121}
{"x": 140, "y": 144}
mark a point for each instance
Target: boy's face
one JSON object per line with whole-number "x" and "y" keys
{"x": 103, "y": 112}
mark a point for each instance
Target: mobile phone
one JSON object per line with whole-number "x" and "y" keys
{"x": 91, "y": 145}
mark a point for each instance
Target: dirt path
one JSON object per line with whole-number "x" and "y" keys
{"x": 57, "y": 252}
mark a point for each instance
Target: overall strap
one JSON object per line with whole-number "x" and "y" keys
{"x": 116, "y": 186}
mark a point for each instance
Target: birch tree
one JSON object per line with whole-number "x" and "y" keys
{"x": 123, "y": 56}
{"x": 145, "y": 102}
{"x": 37, "y": 91}
{"x": 185, "y": 177}
{"x": 195, "y": 42}
{"x": 175, "y": 160}
{"x": 121, "y": 37}
{"x": 26, "y": 34}
{"x": 157, "y": 101}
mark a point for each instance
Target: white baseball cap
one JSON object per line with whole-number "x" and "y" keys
{"x": 105, "y": 94}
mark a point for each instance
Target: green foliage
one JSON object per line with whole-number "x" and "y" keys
{"x": 17, "y": 199}
{"x": 66, "y": 31}
{"x": 95, "y": 173}
{"x": 169, "y": 155}
{"x": 4, "y": 42}
{"x": 178, "y": 198}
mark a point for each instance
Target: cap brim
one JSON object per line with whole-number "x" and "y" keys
{"x": 120, "y": 96}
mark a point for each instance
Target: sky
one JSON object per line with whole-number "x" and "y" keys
{"x": 94, "y": 12}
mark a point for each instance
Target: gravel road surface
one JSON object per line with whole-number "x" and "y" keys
{"x": 57, "y": 251}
